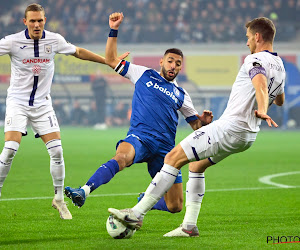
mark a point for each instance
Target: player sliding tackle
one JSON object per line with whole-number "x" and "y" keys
{"x": 156, "y": 100}
{"x": 259, "y": 83}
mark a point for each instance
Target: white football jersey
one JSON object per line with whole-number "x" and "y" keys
{"x": 242, "y": 101}
{"x": 32, "y": 66}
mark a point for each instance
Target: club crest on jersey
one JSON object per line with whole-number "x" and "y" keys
{"x": 176, "y": 91}
{"x": 48, "y": 49}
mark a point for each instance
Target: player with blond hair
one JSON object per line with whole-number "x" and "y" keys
{"x": 28, "y": 100}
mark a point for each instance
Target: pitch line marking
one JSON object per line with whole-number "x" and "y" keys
{"x": 267, "y": 179}
{"x": 135, "y": 194}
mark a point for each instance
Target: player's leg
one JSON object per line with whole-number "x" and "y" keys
{"x": 160, "y": 184}
{"x": 15, "y": 125}
{"x": 45, "y": 125}
{"x": 164, "y": 179}
{"x": 221, "y": 147}
{"x": 11, "y": 146}
{"x": 195, "y": 190}
{"x": 124, "y": 157}
{"x": 172, "y": 201}
{"x": 57, "y": 170}
{"x": 173, "y": 198}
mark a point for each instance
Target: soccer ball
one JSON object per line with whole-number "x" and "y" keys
{"x": 117, "y": 229}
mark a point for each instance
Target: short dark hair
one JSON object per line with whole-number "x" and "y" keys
{"x": 263, "y": 26}
{"x": 174, "y": 51}
{"x": 34, "y": 7}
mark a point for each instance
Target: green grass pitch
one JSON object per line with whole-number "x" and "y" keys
{"x": 238, "y": 211}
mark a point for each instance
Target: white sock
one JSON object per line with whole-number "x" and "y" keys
{"x": 57, "y": 167}
{"x": 195, "y": 189}
{"x": 6, "y": 157}
{"x": 87, "y": 190}
{"x": 160, "y": 184}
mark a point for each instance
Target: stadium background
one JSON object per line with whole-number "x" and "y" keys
{"x": 210, "y": 33}
{"x": 239, "y": 211}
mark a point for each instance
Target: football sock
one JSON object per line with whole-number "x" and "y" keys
{"x": 57, "y": 167}
{"x": 103, "y": 174}
{"x": 195, "y": 189}
{"x": 160, "y": 184}
{"x": 161, "y": 205}
{"x": 6, "y": 157}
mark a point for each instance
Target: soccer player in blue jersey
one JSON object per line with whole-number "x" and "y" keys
{"x": 154, "y": 119}
{"x": 28, "y": 101}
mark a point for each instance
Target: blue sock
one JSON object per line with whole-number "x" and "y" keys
{"x": 103, "y": 174}
{"x": 161, "y": 205}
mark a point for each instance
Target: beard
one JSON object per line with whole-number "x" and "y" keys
{"x": 166, "y": 76}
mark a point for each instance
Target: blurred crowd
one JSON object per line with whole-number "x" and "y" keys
{"x": 157, "y": 21}
{"x": 116, "y": 114}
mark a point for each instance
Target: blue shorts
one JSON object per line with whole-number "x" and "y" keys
{"x": 155, "y": 160}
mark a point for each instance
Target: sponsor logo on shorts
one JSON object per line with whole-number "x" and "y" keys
{"x": 8, "y": 121}
{"x": 198, "y": 134}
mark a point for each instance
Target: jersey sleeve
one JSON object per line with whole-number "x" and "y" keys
{"x": 254, "y": 66}
{"x": 65, "y": 47}
{"x": 187, "y": 109}
{"x": 130, "y": 71}
{"x": 5, "y": 46}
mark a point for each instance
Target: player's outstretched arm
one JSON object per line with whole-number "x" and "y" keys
{"x": 85, "y": 54}
{"x": 115, "y": 20}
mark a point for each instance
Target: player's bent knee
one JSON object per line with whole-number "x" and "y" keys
{"x": 123, "y": 160}
{"x": 175, "y": 207}
{"x": 55, "y": 149}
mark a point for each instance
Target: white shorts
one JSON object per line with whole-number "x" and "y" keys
{"x": 42, "y": 119}
{"x": 215, "y": 141}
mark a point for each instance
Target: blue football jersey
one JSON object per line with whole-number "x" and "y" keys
{"x": 155, "y": 102}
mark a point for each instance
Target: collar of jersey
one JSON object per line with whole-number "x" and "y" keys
{"x": 28, "y": 37}
{"x": 273, "y": 53}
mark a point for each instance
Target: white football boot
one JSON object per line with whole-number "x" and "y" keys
{"x": 62, "y": 209}
{"x": 127, "y": 217}
{"x": 181, "y": 232}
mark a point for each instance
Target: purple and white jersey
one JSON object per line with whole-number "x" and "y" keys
{"x": 32, "y": 66}
{"x": 155, "y": 102}
{"x": 242, "y": 101}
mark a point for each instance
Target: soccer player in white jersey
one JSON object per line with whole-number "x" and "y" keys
{"x": 156, "y": 100}
{"x": 259, "y": 83}
{"x": 28, "y": 100}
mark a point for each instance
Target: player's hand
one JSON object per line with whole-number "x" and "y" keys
{"x": 265, "y": 117}
{"x": 115, "y": 19}
{"x": 206, "y": 117}
{"x": 121, "y": 57}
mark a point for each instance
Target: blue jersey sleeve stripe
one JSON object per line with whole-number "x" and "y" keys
{"x": 191, "y": 118}
{"x": 125, "y": 69}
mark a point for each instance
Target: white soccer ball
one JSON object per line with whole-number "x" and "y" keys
{"x": 117, "y": 229}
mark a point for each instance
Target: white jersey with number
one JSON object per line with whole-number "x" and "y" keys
{"x": 32, "y": 66}
{"x": 242, "y": 101}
